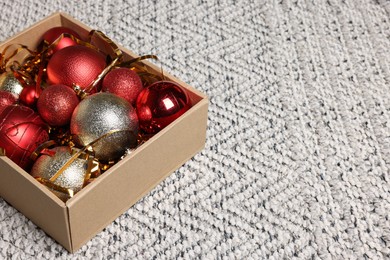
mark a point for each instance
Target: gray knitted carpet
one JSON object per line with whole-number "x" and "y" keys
{"x": 297, "y": 159}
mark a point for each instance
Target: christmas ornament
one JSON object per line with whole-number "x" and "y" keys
{"x": 51, "y": 35}
{"x": 46, "y": 166}
{"x": 123, "y": 82}
{"x": 21, "y": 132}
{"x": 160, "y": 104}
{"x": 29, "y": 95}
{"x": 108, "y": 115}
{"x": 9, "y": 83}
{"x": 78, "y": 65}
{"x": 56, "y": 104}
{"x": 6, "y": 99}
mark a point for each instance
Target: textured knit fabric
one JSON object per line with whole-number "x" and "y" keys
{"x": 297, "y": 157}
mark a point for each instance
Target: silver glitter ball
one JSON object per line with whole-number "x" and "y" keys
{"x": 10, "y": 84}
{"x": 101, "y": 114}
{"x": 72, "y": 178}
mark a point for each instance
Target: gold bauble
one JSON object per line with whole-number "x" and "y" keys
{"x": 10, "y": 84}
{"x": 72, "y": 178}
{"x": 108, "y": 115}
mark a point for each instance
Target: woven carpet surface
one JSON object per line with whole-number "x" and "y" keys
{"x": 297, "y": 158}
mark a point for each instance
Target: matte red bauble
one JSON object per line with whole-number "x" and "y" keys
{"x": 159, "y": 104}
{"x": 78, "y": 65}
{"x": 123, "y": 82}
{"x": 29, "y": 95}
{"x": 21, "y": 132}
{"x": 56, "y": 104}
{"x": 6, "y": 99}
{"x": 51, "y": 35}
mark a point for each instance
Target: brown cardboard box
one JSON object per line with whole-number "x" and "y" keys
{"x": 79, "y": 219}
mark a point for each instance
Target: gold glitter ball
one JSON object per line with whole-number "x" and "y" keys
{"x": 107, "y": 120}
{"x": 10, "y": 84}
{"x": 72, "y": 178}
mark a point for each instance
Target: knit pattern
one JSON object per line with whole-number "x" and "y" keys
{"x": 297, "y": 158}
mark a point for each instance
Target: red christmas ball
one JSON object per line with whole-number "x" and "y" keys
{"x": 123, "y": 82}
{"x": 51, "y": 35}
{"x": 21, "y": 132}
{"x": 29, "y": 95}
{"x": 160, "y": 104}
{"x": 78, "y": 65}
{"x": 6, "y": 99}
{"x": 56, "y": 104}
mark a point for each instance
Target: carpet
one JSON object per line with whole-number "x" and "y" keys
{"x": 297, "y": 158}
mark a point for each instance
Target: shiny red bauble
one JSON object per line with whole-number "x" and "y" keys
{"x": 21, "y": 132}
{"x": 51, "y": 35}
{"x": 29, "y": 95}
{"x": 160, "y": 104}
{"x": 56, "y": 104}
{"x": 78, "y": 65}
{"x": 6, "y": 99}
{"x": 123, "y": 82}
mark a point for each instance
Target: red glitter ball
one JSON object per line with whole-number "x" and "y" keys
{"x": 51, "y": 35}
{"x": 56, "y": 104}
{"x": 21, "y": 132}
{"x": 6, "y": 99}
{"x": 160, "y": 104}
{"x": 78, "y": 65}
{"x": 124, "y": 83}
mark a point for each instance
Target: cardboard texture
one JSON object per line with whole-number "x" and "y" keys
{"x": 34, "y": 201}
{"x": 79, "y": 219}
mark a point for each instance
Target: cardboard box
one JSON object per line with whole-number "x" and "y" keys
{"x": 75, "y": 222}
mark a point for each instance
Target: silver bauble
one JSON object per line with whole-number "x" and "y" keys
{"x": 101, "y": 114}
{"x": 10, "y": 84}
{"x": 73, "y": 176}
